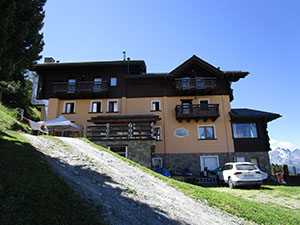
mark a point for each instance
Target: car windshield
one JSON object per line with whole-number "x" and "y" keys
{"x": 245, "y": 167}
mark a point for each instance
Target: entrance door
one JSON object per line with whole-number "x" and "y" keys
{"x": 210, "y": 161}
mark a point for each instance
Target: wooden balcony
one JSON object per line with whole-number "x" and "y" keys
{"x": 197, "y": 112}
{"x": 121, "y": 131}
{"x": 195, "y": 85}
{"x": 85, "y": 88}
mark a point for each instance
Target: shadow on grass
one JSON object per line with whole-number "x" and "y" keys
{"x": 117, "y": 201}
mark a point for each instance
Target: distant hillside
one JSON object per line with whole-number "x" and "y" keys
{"x": 288, "y": 157}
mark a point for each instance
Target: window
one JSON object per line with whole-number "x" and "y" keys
{"x": 67, "y": 133}
{"x": 157, "y": 163}
{"x": 206, "y": 132}
{"x": 227, "y": 167}
{"x": 69, "y": 107}
{"x": 121, "y": 150}
{"x": 155, "y": 105}
{"x": 71, "y": 85}
{"x": 157, "y": 133}
{"x": 240, "y": 159}
{"x": 200, "y": 83}
{"x": 244, "y": 130}
{"x": 112, "y": 106}
{"x": 186, "y": 83}
{"x": 97, "y": 85}
{"x": 113, "y": 81}
{"x": 210, "y": 161}
{"x": 96, "y": 106}
{"x": 254, "y": 161}
{"x": 186, "y": 106}
{"x": 203, "y": 101}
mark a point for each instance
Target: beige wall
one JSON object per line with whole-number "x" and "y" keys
{"x": 168, "y": 122}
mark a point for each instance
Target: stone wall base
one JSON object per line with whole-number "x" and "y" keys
{"x": 179, "y": 162}
{"x": 138, "y": 151}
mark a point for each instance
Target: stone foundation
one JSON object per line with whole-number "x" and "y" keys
{"x": 179, "y": 162}
{"x": 138, "y": 151}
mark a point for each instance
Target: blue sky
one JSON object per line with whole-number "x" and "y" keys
{"x": 262, "y": 37}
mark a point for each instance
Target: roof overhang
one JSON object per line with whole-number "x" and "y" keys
{"x": 250, "y": 114}
{"x": 125, "y": 118}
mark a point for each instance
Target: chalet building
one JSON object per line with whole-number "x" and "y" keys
{"x": 180, "y": 119}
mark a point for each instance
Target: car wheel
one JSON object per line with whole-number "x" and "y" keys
{"x": 257, "y": 186}
{"x": 230, "y": 183}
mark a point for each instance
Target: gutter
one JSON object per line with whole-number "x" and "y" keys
{"x": 35, "y": 101}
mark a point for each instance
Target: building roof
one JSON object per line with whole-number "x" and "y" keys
{"x": 91, "y": 63}
{"x": 253, "y": 114}
{"x": 228, "y": 75}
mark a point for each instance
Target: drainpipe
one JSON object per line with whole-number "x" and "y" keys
{"x": 35, "y": 101}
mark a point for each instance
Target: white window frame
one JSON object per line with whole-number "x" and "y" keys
{"x": 160, "y": 133}
{"x": 91, "y": 105}
{"x": 157, "y": 158}
{"x": 207, "y": 125}
{"x": 152, "y": 105}
{"x": 113, "y": 100}
{"x": 126, "y": 149}
{"x": 208, "y": 156}
{"x": 203, "y": 99}
{"x": 65, "y": 107}
{"x": 239, "y": 159}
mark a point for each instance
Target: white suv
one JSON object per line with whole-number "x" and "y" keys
{"x": 240, "y": 173}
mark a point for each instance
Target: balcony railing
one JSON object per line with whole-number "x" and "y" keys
{"x": 198, "y": 83}
{"x": 85, "y": 86}
{"x": 122, "y": 131}
{"x": 197, "y": 112}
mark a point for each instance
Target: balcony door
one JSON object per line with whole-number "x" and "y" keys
{"x": 71, "y": 85}
{"x": 97, "y": 84}
{"x": 186, "y": 106}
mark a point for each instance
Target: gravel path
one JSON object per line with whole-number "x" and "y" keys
{"x": 127, "y": 194}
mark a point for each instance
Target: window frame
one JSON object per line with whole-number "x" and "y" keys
{"x": 126, "y": 150}
{"x": 110, "y": 81}
{"x": 202, "y": 157}
{"x": 206, "y": 126}
{"x": 65, "y": 107}
{"x": 159, "y": 159}
{"x": 91, "y": 106}
{"x": 157, "y": 137}
{"x": 233, "y": 130}
{"x": 203, "y": 99}
{"x": 112, "y": 100}
{"x": 71, "y": 85}
{"x": 96, "y": 84}
{"x": 152, "y": 109}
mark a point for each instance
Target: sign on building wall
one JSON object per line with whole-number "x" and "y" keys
{"x": 181, "y": 132}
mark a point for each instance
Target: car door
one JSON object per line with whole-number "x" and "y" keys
{"x": 226, "y": 172}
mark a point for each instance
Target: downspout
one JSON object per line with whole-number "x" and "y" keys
{"x": 35, "y": 101}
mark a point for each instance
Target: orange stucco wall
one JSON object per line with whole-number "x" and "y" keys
{"x": 168, "y": 122}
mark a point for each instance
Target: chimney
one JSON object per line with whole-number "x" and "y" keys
{"x": 124, "y": 55}
{"x": 49, "y": 60}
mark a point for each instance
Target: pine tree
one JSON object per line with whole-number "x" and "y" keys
{"x": 20, "y": 38}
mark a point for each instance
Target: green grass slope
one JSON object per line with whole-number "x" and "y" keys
{"x": 30, "y": 193}
{"x": 260, "y": 213}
